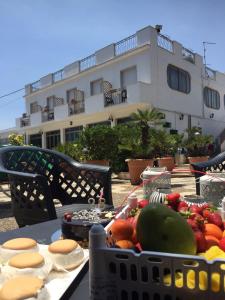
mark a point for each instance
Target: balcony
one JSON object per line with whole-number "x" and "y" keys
{"x": 114, "y": 97}
{"x": 24, "y": 121}
{"x": 133, "y": 94}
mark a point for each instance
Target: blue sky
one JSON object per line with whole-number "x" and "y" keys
{"x": 42, "y": 36}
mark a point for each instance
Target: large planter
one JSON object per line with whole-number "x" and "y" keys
{"x": 136, "y": 167}
{"x": 167, "y": 162}
{"x": 100, "y": 162}
{"x": 196, "y": 159}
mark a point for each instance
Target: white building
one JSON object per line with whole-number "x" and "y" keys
{"x": 144, "y": 69}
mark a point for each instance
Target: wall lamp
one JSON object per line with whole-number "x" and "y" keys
{"x": 110, "y": 118}
{"x": 211, "y": 116}
{"x": 181, "y": 117}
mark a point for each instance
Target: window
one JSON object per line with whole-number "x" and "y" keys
{"x": 211, "y": 98}
{"x": 178, "y": 79}
{"x": 51, "y": 103}
{"x": 75, "y": 99}
{"x": 52, "y": 139}
{"x": 96, "y": 87}
{"x": 128, "y": 77}
{"x": 124, "y": 120}
{"x": 72, "y": 134}
{"x": 33, "y": 107}
{"x": 36, "y": 140}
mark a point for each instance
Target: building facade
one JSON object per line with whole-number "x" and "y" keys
{"x": 146, "y": 69}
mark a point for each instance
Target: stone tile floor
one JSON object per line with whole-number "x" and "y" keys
{"x": 181, "y": 182}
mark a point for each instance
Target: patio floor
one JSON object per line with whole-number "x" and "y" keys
{"x": 182, "y": 181}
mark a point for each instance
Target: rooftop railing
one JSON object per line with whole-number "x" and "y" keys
{"x": 126, "y": 45}
{"x": 88, "y": 62}
{"x": 188, "y": 55}
{"x": 35, "y": 86}
{"x": 210, "y": 73}
{"x": 57, "y": 76}
{"x": 164, "y": 42}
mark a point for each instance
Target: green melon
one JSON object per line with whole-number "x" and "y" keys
{"x": 161, "y": 229}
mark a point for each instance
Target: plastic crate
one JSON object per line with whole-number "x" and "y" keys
{"x": 117, "y": 274}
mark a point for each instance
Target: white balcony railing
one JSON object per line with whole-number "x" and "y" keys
{"x": 88, "y": 62}
{"x": 57, "y": 76}
{"x": 188, "y": 55}
{"x": 126, "y": 45}
{"x": 164, "y": 42}
{"x": 35, "y": 86}
{"x": 209, "y": 73}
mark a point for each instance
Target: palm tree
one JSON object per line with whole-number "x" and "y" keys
{"x": 145, "y": 119}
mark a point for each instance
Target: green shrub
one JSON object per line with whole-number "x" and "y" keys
{"x": 99, "y": 142}
{"x": 71, "y": 149}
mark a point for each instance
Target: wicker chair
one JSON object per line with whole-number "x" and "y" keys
{"x": 216, "y": 164}
{"x": 38, "y": 176}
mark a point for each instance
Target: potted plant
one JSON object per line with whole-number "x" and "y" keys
{"x": 196, "y": 145}
{"x": 165, "y": 145}
{"x": 99, "y": 144}
{"x": 139, "y": 141}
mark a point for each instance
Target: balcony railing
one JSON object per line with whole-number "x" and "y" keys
{"x": 76, "y": 108}
{"x": 88, "y": 62}
{"x": 114, "y": 97}
{"x": 25, "y": 121}
{"x": 35, "y": 86}
{"x": 209, "y": 73}
{"x": 47, "y": 116}
{"x": 188, "y": 55}
{"x": 126, "y": 45}
{"x": 164, "y": 42}
{"x": 57, "y": 76}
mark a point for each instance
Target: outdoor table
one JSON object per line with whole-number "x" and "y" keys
{"x": 42, "y": 233}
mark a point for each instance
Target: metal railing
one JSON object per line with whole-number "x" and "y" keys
{"x": 35, "y": 86}
{"x": 76, "y": 108}
{"x": 47, "y": 116}
{"x": 164, "y": 42}
{"x": 25, "y": 121}
{"x": 57, "y": 76}
{"x": 126, "y": 44}
{"x": 88, "y": 62}
{"x": 209, "y": 73}
{"x": 188, "y": 55}
{"x": 114, "y": 97}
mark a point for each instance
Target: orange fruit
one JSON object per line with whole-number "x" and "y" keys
{"x": 211, "y": 241}
{"x": 125, "y": 244}
{"x": 224, "y": 233}
{"x": 214, "y": 230}
{"x": 121, "y": 230}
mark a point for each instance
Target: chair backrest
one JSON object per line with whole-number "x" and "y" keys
{"x": 56, "y": 177}
{"x": 215, "y": 164}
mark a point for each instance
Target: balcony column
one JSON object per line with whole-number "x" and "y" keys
{"x": 62, "y": 136}
{"x": 43, "y": 140}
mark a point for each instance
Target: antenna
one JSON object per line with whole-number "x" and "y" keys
{"x": 204, "y": 50}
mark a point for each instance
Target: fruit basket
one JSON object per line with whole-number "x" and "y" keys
{"x": 124, "y": 274}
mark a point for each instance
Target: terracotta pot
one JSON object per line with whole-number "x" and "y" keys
{"x": 197, "y": 159}
{"x": 167, "y": 162}
{"x": 136, "y": 167}
{"x": 100, "y": 162}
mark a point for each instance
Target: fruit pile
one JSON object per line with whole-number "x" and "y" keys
{"x": 175, "y": 226}
{"x": 205, "y": 221}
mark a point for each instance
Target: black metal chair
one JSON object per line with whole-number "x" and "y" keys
{"x": 216, "y": 164}
{"x": 38, "y": 176}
